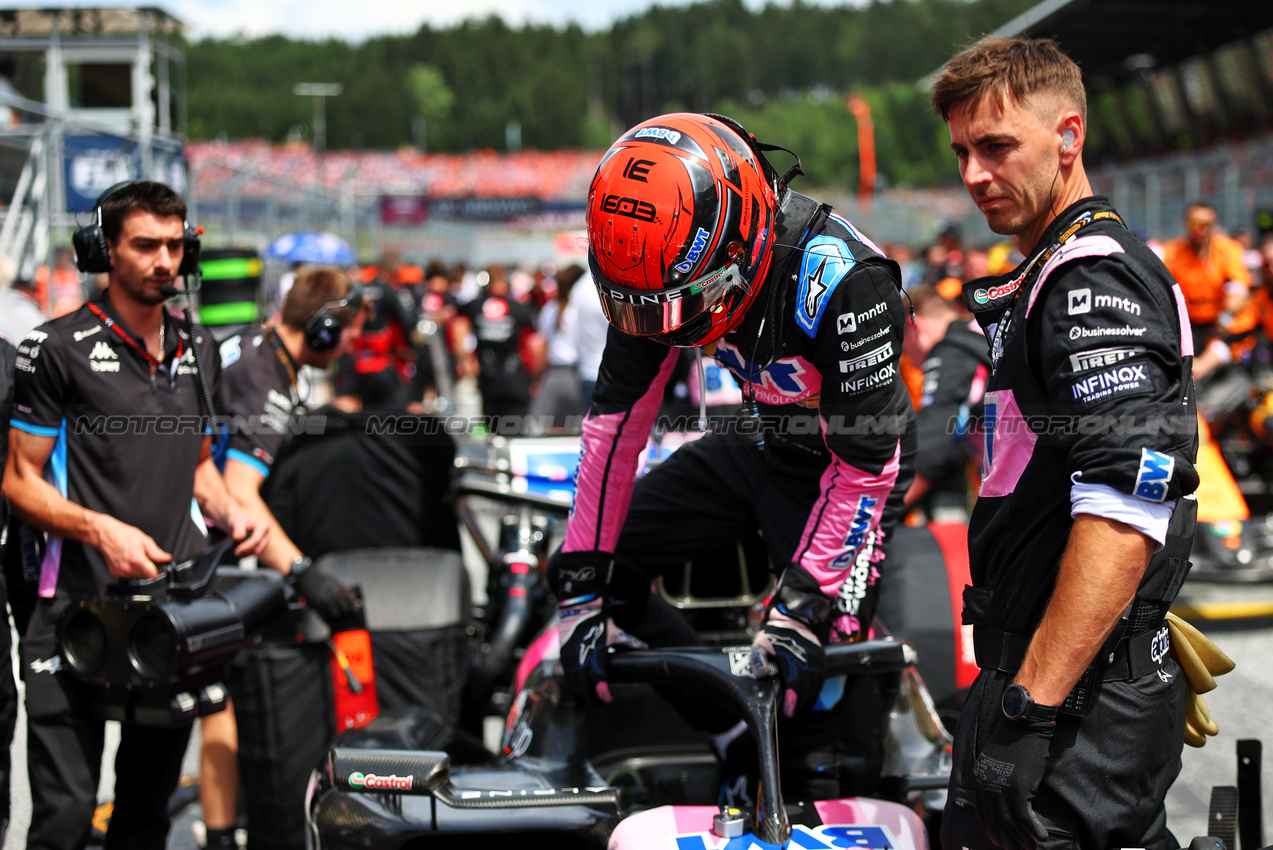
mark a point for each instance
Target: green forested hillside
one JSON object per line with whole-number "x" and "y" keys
{"x": 784, "y": 70}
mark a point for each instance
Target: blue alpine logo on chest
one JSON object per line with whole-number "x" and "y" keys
{"x": 785, "y": 377}
{"x": 825, "y": 262}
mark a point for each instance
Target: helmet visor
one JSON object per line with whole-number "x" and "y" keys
{"x": 654, "y": 313}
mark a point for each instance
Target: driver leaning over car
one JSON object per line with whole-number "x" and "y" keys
{"x": 108, "y": 406}
{"x": 694, "y": 241}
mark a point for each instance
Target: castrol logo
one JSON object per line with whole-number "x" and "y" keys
{"x": 981, "y": 296}
{"x": 372, "y": 782}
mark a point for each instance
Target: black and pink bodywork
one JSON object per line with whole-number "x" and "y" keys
{"x": 630, "y": 775}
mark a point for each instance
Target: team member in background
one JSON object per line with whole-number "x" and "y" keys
{"x": 321, "y": 316}
{"x": 951, "y": 350}
{"x": 116, "y": 505}
{"x": 695, "y": 241}
{"x": 381, "y": 370}
{"x": 1214, "y": 279}
{"x": 508, "y": 354}
{"x": 1078, "y": 542}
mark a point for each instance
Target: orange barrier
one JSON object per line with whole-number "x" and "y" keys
{"x": 1219, "y": 499}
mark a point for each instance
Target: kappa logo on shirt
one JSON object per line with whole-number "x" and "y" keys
{"x": 102, "y": 351}
{"x": 103, "y": 358}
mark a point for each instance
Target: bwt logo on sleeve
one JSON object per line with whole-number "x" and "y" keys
{"x": 1154, "y": 475}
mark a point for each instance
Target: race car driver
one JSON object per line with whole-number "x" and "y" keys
{"x": 696, "y": 241}
{"x": 1079, "y": 540}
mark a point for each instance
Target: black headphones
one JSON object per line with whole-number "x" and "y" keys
{"x": 92, "y": 254}
{"x": 322, "y": 333}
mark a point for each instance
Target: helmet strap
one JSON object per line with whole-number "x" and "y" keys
{"x": 758, "y": 148}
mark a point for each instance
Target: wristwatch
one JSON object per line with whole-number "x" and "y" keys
{"x": 1018, "y": 705}
{"x": 299, "y": 565}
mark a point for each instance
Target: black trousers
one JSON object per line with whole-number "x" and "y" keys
{"x": 8, "y": 709}
{"x": 64, "y": 756}
{"x": 1107, "y": 775}
{"x": 707, "y": 495}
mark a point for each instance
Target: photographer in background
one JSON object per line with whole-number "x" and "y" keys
{"x": 118, "y": 503}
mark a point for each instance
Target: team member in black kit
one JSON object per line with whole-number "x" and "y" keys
{"x": 320, "y": 318}
{"x": 501, "y": 328}
{"x": 321, "y": 315}
{"x": 382, "y": 370}
{"x": 1078, "y": 542}
{"x": 695, "y": 241}
{"x": 108, "y": 404}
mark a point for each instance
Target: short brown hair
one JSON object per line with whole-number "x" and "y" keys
{"x": 145, "y": 195}
{"x": 1020, "y": 67}
{"x": 314, "y": 289}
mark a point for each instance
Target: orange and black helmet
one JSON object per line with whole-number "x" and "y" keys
{"x": 680, "y": 229}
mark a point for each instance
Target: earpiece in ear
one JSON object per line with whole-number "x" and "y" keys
{"x": 1066, "y": 140}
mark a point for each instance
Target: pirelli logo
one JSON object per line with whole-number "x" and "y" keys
{"x": 1100, "y": 358}
{"x": 868, "y": 359}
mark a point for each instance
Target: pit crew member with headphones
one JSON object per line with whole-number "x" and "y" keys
{"x": 109, "y": 405}
{"x": 1079, "y": 540}
{"x": 695, "y": 241}
{"x": 321, "y": 315}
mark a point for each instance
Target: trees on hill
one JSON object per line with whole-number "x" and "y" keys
{"x": 783, "y": 70}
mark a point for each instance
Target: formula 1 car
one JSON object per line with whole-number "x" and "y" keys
{"x": 634, "y": 774}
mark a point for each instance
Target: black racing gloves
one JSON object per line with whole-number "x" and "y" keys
{"x": 791, "y": 639}
{"x": 1005, "y": 779}
{"x": 326, "y": 594}
{"x": 581, "y": 581}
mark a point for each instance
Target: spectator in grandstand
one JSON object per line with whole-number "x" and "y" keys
{"x": 1079, "y": 538}
{"x": 559, "y": 389}
{"x": 19, "y": 312}
{"x": 507, "y": 353}
{"x": 950, "y": 348}
{"x": 1209, "y": 268}
{"x": 381, "y": 369}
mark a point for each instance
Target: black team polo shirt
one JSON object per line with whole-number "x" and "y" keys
{"x": 127, "y": 443}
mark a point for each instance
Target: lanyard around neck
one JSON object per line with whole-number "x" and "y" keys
{"x": 1036, "y": 267}
{"x": 114, "y": 327}
{"x": 284, "y": 357}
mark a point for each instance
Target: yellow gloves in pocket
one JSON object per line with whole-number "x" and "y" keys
{"x": 1201, "y": 661}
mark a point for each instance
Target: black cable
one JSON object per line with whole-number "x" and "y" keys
{"x": 194, "y": 348}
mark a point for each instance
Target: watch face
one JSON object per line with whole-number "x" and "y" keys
{"x": 1014, "y": 701}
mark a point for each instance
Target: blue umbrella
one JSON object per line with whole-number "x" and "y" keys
{"x": 311, "y": 246}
